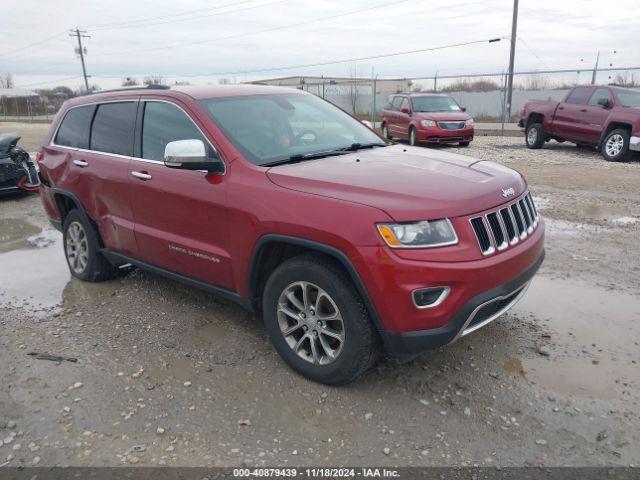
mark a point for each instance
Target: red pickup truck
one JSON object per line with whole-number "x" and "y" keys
{"x": 607, "y": 118}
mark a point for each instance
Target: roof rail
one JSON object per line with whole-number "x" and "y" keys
{"x": 135, "y": 87}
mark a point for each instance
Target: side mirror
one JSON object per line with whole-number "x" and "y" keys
{"x": 368, "y": 124}
{"x": 191, "y": 155}
{"x": 463, "y": 109}
{"x": 604, "y": 102}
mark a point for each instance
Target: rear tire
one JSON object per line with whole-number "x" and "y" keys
{"x": 385, "y": 132}
{"x": 82, "y": 250}
{"x": 329, "y": 338}
{"x": 615, "y": 147}
{"x": 534, "y": 136}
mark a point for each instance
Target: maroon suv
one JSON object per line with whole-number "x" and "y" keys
{"x": 283, "y": 203}
{"x": 426, "y": 118}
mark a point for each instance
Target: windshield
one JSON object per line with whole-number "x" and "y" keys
{"x": 628, "y": 98}
{"x": 272, "y": 128}
{"x": 435, "y": 104}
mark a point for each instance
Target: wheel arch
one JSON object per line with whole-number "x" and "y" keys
{"x": 535, "y": 117}
{"x": 272, "y": 249}
{"x": 65, "y": 202}
{"x": 614, "y": 125}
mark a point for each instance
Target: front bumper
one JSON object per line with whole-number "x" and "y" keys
{"x": 634, "y": 144}
{"x": 497, "y": 301}
{"x": 440, "y": 135}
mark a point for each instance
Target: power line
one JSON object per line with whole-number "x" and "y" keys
{"x": 171, "y": 18}
{"x": 272, "y": 29}
{"x": 334, "y": 62}
{"x": 39, "y": 42}
{"x": 532, "y": 52}
{"x": 48, "y": 81}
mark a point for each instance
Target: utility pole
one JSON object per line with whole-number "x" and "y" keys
{"x": 512, "y": 55}
{"x": 595, "y": 70}
{"x": 80, "y": 34}
{"x": 435, "y": 83}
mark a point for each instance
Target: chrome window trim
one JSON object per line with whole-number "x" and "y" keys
{"x": 138, "y": 159}
{"x": 443, "y": 296}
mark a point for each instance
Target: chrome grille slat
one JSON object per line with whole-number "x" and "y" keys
{"x": 498, "y": 229}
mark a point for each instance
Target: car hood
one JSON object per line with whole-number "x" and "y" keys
{"x": 443, "y": 116}
{"x": 408, "y": 183}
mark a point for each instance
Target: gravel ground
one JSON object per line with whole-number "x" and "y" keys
{"x": 165, "y": 374}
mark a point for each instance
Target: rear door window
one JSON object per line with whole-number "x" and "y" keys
{"x": 405, "y": 103}
{"x": 579, "y": 96}
{"x": 113, "y": 128}
{"x": 74, "y": 129}
{"x": 396, "y": 103}
{"x": 600, "y": 94}
{"x": 164, "y": 123}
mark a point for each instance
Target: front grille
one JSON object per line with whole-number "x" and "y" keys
{"x": 496, "y": 230}
{"x": 451, "y": 125}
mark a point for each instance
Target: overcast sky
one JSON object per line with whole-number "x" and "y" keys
{"x": 224, "y": 37}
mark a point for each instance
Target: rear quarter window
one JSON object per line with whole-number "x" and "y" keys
{"x": 74, "y": 129}
{"x": 113, "y": 128}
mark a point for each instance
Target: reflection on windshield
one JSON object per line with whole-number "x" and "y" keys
{"x": 272, "y": 128}
{"x": 435, "y": 104}
{"x": 628, "y": 99}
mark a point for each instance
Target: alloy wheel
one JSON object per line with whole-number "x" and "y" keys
{"x": 532, "y": 136}
{"x": 412, "y": 137}
{"x": 77, "y": 247}
{"x": 614, "y": 145}
{"x": 311, "y": 323}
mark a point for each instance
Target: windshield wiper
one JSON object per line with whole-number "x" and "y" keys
{"x": 300, "y": 157}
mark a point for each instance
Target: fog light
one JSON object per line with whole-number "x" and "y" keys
{"x": 430, "y": 297}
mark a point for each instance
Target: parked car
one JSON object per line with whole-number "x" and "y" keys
{"x": 426, "y": 118}
{"x": 283, "y": 203}
{"x": 17, "y": 171}
{"x": 607, "y": 118}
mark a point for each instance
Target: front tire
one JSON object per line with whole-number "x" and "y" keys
{"x": 534, "y": 136}
{"x": 464, "y": 144}
{"x": 82, "y": 250}
{"x": 615, "y": 147}
{"x": 413, "y": 137}
{"x": 317, "y": 321}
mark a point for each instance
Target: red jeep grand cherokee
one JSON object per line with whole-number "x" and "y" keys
{"x": 283, "y": 203}
{"x": 426, "y": 118}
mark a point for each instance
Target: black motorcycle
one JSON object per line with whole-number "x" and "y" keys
{"x": 17, "y": 170}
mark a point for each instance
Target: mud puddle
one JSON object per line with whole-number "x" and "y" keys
{"x": 592, "y": 335}
{"x": 33, "y": 271}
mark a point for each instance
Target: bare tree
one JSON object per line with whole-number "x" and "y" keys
{"x": 130, "y": 82}
{"x": 6, "y": 81}
{"x": 536, "y": 82}
{"x": 354, "y": 90}
{"x": 626, "y": 80}
{"x": 153, "y": 80}
{"x": 224, "y": 81}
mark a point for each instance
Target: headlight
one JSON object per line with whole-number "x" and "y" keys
{"x": 469, "y": 122}
{"x": 427, "y": 123}
{"x": 426, "y": 234}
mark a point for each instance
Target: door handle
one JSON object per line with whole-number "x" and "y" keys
{"x": 142, "y": 175}
{"x": 81, "y": 163}
{"x": 560, "y": 108}
{"x": 583, "y": 109}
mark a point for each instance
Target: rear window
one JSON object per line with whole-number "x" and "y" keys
{"x": 74, "y": 129}
{"x": 579, "y": 95}
{"x": 113, "y": 126}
